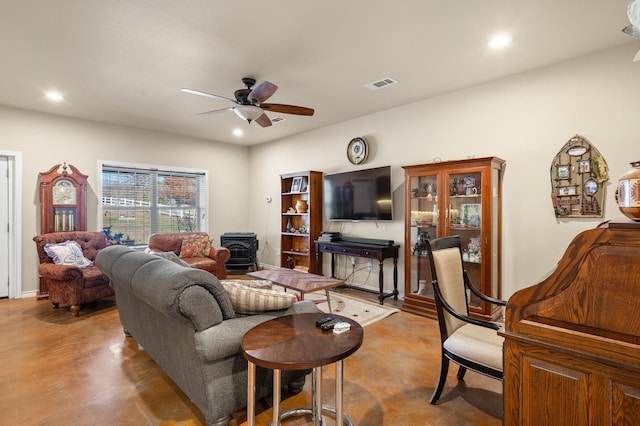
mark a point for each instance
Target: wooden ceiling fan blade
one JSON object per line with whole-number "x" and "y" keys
{"x": 288, "y": 109}
{"x": 262, "y": 92}
{"x": 216, "y": 111}
{"x": 208, "y": 95}
{"x": 263, "y": 120}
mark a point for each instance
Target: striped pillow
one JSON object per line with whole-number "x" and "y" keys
{"x": 248, "y": 300}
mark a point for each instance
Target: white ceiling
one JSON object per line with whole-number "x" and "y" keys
{"x": 124, "y": 61}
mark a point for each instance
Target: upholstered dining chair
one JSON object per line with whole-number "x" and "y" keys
{"x": 471, "y": 343}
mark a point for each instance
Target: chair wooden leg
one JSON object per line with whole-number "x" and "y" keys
{"x": 461, "y": 372}
{"x": 444, "y": 369}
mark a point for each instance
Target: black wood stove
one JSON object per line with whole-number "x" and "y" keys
{"x": 244, "y": 250}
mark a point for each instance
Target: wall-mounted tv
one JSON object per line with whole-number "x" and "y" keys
{"x": 358, "y": 195}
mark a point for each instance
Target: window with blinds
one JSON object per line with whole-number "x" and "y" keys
{"x": 139, "y": 200}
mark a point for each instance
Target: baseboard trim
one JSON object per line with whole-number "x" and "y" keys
{"x": 26, "y": 294}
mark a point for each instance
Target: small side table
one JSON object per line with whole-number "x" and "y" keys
{"x": 293, "y": 342}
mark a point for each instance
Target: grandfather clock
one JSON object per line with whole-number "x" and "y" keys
{"x": 63, "y": 199}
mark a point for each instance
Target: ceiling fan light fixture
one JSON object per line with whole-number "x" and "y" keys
{"x": 633, "y": 11}
{"x": 248, "y": 112}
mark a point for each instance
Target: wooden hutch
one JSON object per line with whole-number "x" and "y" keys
{"x": 572, "y": 342}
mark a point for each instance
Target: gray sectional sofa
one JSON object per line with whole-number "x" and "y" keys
{"x": 185, "y": 321}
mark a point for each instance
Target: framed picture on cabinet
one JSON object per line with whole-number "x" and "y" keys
{"x": 304, "y": 184}
{"x": 296, "y": 184}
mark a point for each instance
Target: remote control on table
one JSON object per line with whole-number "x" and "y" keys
{"x": 323, "y": 320}
{"x": 329, "y": 325}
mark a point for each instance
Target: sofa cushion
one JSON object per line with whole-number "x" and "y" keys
{"x": 200, "y": 306}
{"x": 264, "y": 284}
{"x": 248, "y": 300}
{"x": 195, "y": 246}
{"x": 169, "y": 255}
{"x": 67, "y": 253}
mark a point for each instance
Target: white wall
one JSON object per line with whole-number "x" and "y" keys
{"x": 45, "y": 140}
{"x": 525, "y": 119}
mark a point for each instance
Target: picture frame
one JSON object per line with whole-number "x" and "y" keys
{"x": 584, "y": 166}
{"x": 562, "y": 172}
{"x": 567, "y": 190}
{"x": 304, "y": 184}
{"x": 296, "y": 184}
{"x": 590, "y": 187}
{"x": 471, "y": 215}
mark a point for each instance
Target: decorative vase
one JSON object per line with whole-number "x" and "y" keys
{"x": 301, "y": 206}
{"x": 628, "y": 192}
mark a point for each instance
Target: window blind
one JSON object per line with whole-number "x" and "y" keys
{"x": 138, "y": 201}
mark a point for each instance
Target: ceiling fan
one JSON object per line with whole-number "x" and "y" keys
{"x": 250, "y": 104}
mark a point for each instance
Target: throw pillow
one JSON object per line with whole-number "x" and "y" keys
{"x": 67, "y": 253}
{"x": 198, "y": 246}
{"x": 264, "y": 284}
{"x": 247, "y": 300}
{"x": 169, "y": 255}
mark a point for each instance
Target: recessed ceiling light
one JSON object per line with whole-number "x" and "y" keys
{"x": 238, "y": 132}
{"x": 54, "y": 96}
{"x": 500, "y": 40}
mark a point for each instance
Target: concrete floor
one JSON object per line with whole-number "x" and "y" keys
{"x": 58, "y": 369}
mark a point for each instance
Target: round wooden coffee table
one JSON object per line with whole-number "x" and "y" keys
{"x": 293, "y": 342}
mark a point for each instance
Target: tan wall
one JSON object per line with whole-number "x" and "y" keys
{"x": 525, "y": 119}
{"x": 45, "y": 140}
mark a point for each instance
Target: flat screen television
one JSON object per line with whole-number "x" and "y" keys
{"x": 358, "y": 195}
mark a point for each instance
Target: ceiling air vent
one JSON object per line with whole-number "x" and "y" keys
{"x": 275, "y": 120}
{"x": 387, "y": 81}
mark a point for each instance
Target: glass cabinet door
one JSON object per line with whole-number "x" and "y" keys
{"x": 425, "y": 216}
{"x": 465, "y": 218}
{"x": 460, "y": 197}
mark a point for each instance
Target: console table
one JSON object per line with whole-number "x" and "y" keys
{"x": 362, "y": 247}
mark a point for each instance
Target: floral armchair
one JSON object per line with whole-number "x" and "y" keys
{"x": 75, "y": 280}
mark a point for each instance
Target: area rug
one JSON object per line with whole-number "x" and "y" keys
{"x": 364, "y": 313}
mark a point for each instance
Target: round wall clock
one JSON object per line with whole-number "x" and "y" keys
{"x": 357, "y": 151}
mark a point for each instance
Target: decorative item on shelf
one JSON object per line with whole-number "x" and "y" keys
{"x": 291, "y": 210}
{"x": 291, "y": 262}
{"x": 296, "y": 184}
{"x": 421, "y": 246}
{"x": 289, "y": 226}
{"x": 303, "y": 230}
{"x": 301, "y": 206}
{"x": 453, "y": 188}
{"x": 578, "y": 174}
{"x": 628, "y": 192}
{"x": 430, "y": 189}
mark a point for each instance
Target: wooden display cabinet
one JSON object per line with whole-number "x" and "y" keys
{"x": 301, "y": 219}
{"x": 454, "y": 198}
